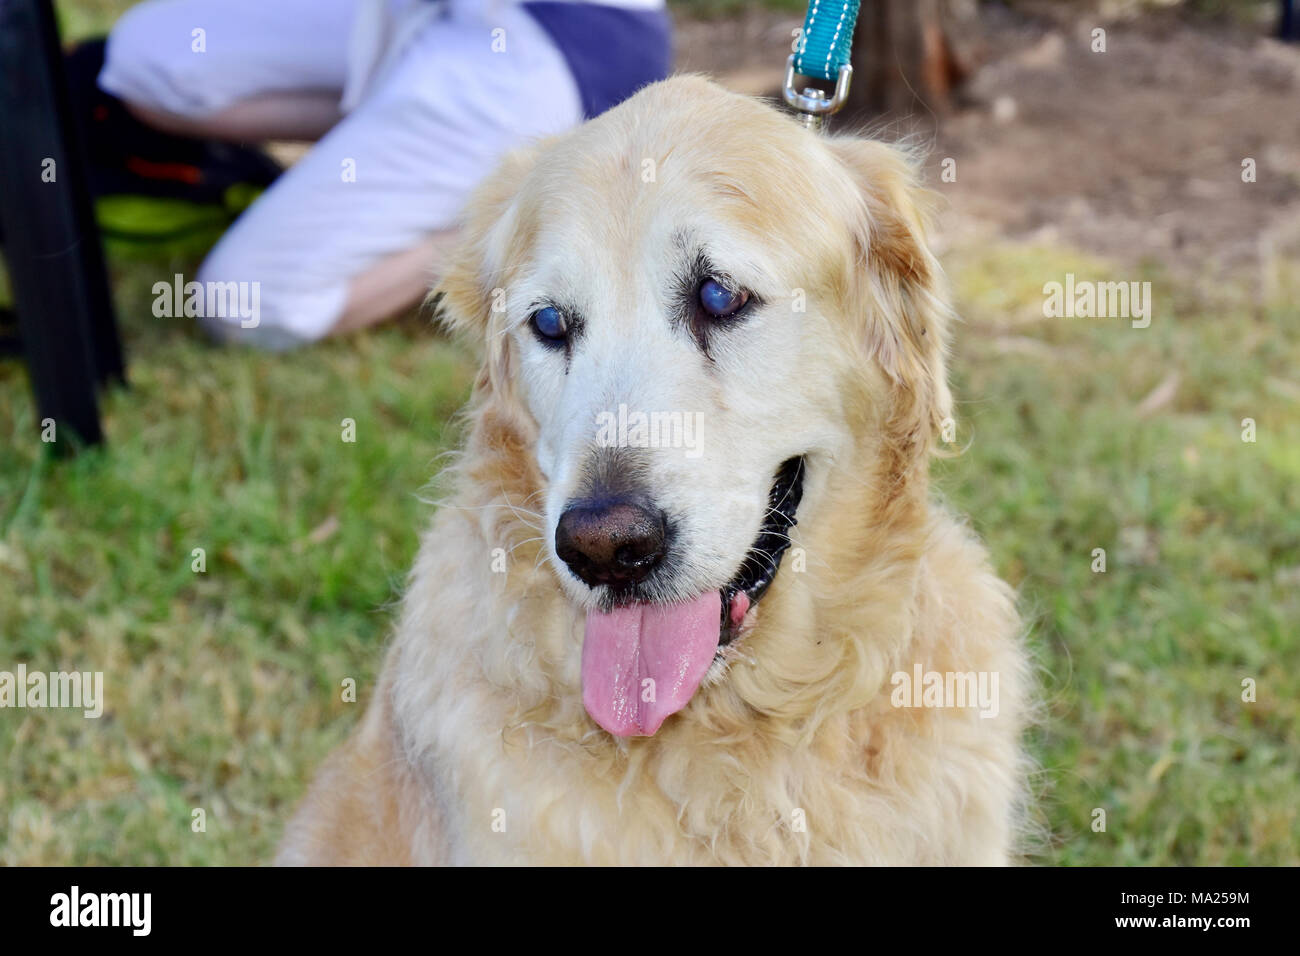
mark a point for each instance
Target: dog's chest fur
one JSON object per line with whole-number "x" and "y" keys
{"x": 491, "y": 716}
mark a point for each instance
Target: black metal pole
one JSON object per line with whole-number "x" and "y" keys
{"x": 51, "y": 243}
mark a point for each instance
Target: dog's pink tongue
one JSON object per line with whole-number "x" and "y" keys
{"x": 643, "y": 662}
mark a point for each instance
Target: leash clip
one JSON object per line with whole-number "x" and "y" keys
{"x": 813, "y": 104}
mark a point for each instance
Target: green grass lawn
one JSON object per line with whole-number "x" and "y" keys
{"x": 224, "y": 686}
{"x": 1143, "y": 665}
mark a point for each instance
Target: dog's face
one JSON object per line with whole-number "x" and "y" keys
{"x": 698, "y": 308}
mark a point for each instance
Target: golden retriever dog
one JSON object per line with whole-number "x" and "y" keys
{"x": 689, "y": 599}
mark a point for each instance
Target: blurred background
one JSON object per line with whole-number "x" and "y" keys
{"x": 1078, "y": 434}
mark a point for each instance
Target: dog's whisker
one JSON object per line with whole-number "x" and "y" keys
{"x": 526, "y": 516}
{"x": 520, "y": 544}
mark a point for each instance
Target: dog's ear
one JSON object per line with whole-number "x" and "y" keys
{"x": 470, "y": 294}
{"x": 898, "y": 283}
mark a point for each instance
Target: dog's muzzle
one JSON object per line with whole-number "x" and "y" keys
{"x": 642, "y": 661}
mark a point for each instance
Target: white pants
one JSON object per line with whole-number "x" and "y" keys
{"x": 398, "y": 167}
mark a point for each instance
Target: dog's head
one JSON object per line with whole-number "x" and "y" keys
{"x": 693, "y": 310}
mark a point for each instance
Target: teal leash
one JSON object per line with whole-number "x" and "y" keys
{"x": 822, "y": 52}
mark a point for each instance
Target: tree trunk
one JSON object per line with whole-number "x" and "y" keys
{"x": 904, "y": 61}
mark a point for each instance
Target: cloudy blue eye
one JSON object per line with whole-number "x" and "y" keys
{"x": 719, "y": 301}
{"x": 550, "y": 324}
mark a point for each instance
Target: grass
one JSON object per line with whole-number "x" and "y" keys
{"x": 224, "y": 687}
{"x": 1143, "y": 664}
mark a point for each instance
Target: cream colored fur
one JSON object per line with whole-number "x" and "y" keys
{"x": 476, "y": 747}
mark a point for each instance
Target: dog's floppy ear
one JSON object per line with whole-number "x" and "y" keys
{"x": 898, "y": 283}
{"x": 471, "y": 291}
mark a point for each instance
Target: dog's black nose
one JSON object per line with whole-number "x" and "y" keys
{"x": 611, "y": 541}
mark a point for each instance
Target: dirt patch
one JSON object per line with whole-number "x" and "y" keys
{"x": 1134, "y": 153}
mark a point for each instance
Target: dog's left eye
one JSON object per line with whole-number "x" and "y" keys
{"x": 550, "y": 325}
{"x": 719, "y": 301}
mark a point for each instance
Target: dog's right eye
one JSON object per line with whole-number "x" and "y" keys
{"x": 719, "y": 301}
{"x": 550, "y": 325}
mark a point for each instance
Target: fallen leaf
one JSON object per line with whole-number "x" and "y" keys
{"x": 1160, "y": 396}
